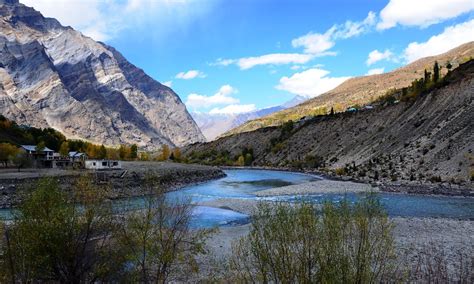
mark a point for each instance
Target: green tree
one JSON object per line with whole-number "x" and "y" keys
{"x": 436, "y": 72}
{"x": 53, "y": 240}
{"x": 158, "y": 240}
{"x": 64, "y": 149}
{"x": 102, "y": 152}
{"x": 22, "y": 160}
{"x": 40, "y": 146}
{"x": 340, "y": 243}
{"x": 449, "y": 65}
{"x": 133, "y": 152}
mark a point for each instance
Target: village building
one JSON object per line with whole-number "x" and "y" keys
{"x": 103, "y": 165}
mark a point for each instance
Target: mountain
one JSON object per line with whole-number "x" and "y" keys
{"x": 53, "y": 76}
{"x": 361, "y": 90}
{"x": 428, "y": 138}
{"x": 214, "y": 125}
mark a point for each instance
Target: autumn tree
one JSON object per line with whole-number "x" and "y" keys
{"x": 64, "y": 149}
{"x": 177, "y": 154}
{"x": 7, "y": 153}
{"x": 165, "y": 153}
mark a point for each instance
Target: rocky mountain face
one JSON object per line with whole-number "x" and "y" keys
{"x": 214, "y": 125}
{"x": 53, "y": 76}
{"x": 362, "y": 90}
{"x": 429, "y": 139}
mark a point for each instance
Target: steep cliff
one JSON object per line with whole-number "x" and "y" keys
{"x": 53, "y": 76}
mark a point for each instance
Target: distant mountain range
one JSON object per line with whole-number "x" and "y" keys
{"x": 361, "y": 90}
{"x": 53, "y": 76}
{"x": 214, "y": 125}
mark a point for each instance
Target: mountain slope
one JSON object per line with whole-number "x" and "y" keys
{"x": 361, "y": 90}
{"x": 214, "y": 125}
{"x": 53, "y": 76}
{"x": 431, "y": 137}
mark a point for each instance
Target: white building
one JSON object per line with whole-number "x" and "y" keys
{"x": 103, "y": 165}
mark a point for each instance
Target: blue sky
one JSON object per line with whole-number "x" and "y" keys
{"x": 228, "y": 56}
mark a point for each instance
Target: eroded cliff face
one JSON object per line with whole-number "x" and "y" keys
{"x": 53, "y": 76}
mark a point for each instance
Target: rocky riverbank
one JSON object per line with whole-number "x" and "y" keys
{"x": 127, "y": 182}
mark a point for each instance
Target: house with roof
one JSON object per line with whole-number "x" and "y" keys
{"x": 47, "y": 158}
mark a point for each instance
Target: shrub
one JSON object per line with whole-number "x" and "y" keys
{"x": 341, "y": 171}
{"x": 301, "y": 244}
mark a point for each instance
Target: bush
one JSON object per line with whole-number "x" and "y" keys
{"x": 51, "y": 239}
{"x": 301, "y": 244}
{"x": 341, "y": 171}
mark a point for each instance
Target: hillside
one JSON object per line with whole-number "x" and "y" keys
{"x": 428, "y": 139}
{"x": 53, "y": 76}
{"x": 361, "y": 90}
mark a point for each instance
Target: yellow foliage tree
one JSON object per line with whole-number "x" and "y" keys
{"x": 165, "y": 153}
{"x": 7, "y": 152}
{"x": 64, "y": 149}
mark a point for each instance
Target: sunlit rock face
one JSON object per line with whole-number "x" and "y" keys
{"x": 53, "y": 76}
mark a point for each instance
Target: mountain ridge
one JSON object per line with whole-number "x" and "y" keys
{"x": 53, "y": 76}
{"x": 361, "y": 90}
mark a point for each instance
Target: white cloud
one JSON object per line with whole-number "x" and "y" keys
{"x": 375, "y": 71}
{"x": 105, "y": 19}
{"x": 421, "y": 13}
{"x": 274, "y": 59}
{"x": 352, "y": 29}
{"x": 320, "y": 44}
{"x": 223, "y": 62}
{"x": 233, "y": 109}
{"x": 222, "y": 97}
{"x": 310, "y": 83}
{"x": 191, "y": 74}
{"x": 376, "y": 56}
{"x": 315, "y": 43}
{"x": 168, "y": 83}
{"x": 451, "y": 37}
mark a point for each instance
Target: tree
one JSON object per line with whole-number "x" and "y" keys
{"x": 133, "y": 152}
{"x": 102, "y": 152}
{"x": 159, "y": 240}
{"x": 64, "y": 149}
{"x": 22, "y": 160}
{"x": 177, "y": 154}
{"x": 7, "y": 153}
{"x": 435, "y": 72}
{"x": 449, "y": 66}
{"x": 240, "y": 161}
{"x": 40, "y": 147}
{"x": 51, "y": 239}
{"x": 340, "y": 243}
{"x": 165, "y": 153}
{"x": 427, "y": 78}
{"x": 124, "y": 152}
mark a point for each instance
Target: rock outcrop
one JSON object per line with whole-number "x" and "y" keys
{"x": 53, "y": 76}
